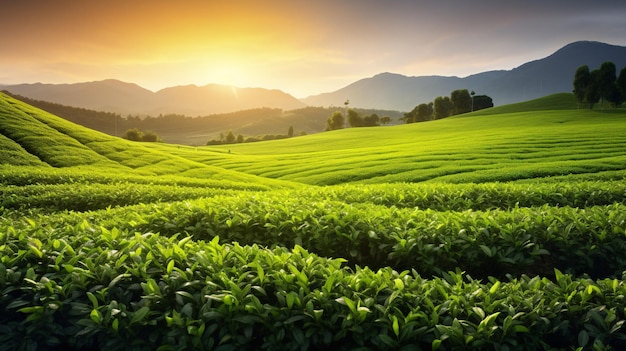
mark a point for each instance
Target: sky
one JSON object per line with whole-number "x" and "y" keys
{"x": 298, "y": 46}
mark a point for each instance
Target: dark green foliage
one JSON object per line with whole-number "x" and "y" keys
{"x": 335, "y": 121}
{"x": 461, "y": 101}
{"x": 481, "y": 102}
{"x": 422, "y": 112}
{"x": 582, "y": 81}
{"x": 621, "y": 84}
{"x": 442, "y": 107}
{"x": 133, "y": 135}
{"x": 601, "y": 84}
{"x": 356, "y": 120}
{"x": 123, "y": 291}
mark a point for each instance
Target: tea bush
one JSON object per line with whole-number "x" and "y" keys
{"x": 123, "y": 291}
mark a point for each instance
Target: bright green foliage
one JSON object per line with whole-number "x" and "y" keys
{"x": 473, "y": 149}
{"x": 495, "y": 242}
{"x": 120, "y": 291}
{"x": 503, "y": 231}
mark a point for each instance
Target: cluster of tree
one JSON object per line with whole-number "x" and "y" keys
{"x": 355, "y": 119}
{"x": 135, "y": 134}
{"x": 600, "y": 85}
{"x": 460, "y": 101}
{"x": 230, "y": 138}
{"x": 183, "y": 129}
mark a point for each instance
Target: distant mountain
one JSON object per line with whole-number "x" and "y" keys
{"x": 553, "y": 74}
{"x": 127, "y": 98}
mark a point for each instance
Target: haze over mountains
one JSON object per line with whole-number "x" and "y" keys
{"x": 552, "y": 74}
{"x": 126, "y": 98}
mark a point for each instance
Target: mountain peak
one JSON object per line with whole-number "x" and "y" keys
{"x": 549, "y": 75}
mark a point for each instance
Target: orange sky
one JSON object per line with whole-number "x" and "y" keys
{"x": 301, "y": 47}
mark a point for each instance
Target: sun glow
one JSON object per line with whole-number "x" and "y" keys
{"x": 228, "y": 74}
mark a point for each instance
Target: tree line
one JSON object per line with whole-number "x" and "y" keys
{"x": 354, "y": 119}
{"x": 460, "y": 101}
{"x": 231, "y": 138}
{"x": 600, "y": 85}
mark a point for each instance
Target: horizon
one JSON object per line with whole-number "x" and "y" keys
{"x": 327, "y": 46}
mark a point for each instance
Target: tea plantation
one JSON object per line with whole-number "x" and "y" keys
{"x": 504, "y": 229}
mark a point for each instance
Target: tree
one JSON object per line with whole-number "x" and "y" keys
{"x": 482, "y": 102}
{"x": 230, "y": 138}
{"x": 150, "y": 136}
{"x": 592, "y": 95}
{"x": 335, "y": 121}
{"x": 371, "y": 120}
{"x": 582, "y": 80}
{"x": 461, "y": 101}
{"x": 133, "y": 135}
{"x": 442, "y": 107}
{"x": 290, "y": 132}
{"x": 240, "y": 138}
{"x": 354, "y": 119}
{"x": 620, "y": 83}
{"x": 606, "y": 80}
{"x": 385, "y": 120}
{"x": 422, "y": 112}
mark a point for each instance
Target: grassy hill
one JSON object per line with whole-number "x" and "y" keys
{"x": 37, "y": 138}
{"x": 501, "y": 229}
{"x": 516, "y": 143}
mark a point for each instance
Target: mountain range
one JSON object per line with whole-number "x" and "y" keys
{"x": 127, "y": 98}
{"x": 552, "y": 74}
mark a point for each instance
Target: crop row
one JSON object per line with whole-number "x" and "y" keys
{"x": 459, "y": 197}
{"x": 25, "y": 175}
{"x": 129, "y": 291}
{"x": 59, "y": 189}
{"x": 483, "y": 243}
{"x": 94, "y": 196}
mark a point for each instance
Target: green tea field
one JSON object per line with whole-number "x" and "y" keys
{"x": 501, "y": 229}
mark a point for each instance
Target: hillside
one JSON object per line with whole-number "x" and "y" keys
{"x": 502, "y": 230}
{"x": 186, "y": 130}
{"x": 36, "y": 138}
{"x": 506, "y": 143}
{"x": 512, "y": 145}
{"x": 545, "y": 76}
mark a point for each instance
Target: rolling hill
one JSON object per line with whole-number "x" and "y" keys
{"x": 549, "y": 75}
{"x": 513, "y": 143}
{"x": 33, "y": 137}
{"x": 486, "y": 230}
